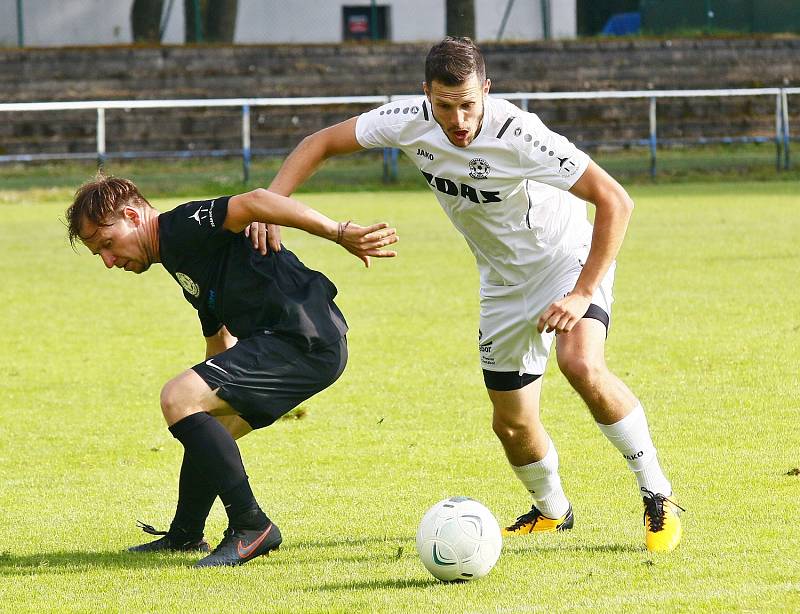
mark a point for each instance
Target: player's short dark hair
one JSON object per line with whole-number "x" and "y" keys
{"x": 100, "y": 201}
{"x": 453, "y": 60}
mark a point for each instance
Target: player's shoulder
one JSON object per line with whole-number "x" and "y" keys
{"x": 512, "y": 124}
{"x": 399, "y": 113}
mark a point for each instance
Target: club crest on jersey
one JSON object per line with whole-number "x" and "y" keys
{"x": 479, "y": 168}
{"x": 187, "y": 284}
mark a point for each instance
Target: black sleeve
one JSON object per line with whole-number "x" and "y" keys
{"x": 209, "y": 323}
{"x": 199, "y": 222}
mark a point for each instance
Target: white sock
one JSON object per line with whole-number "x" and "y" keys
{"x": 543, "y": 482}
{"x": 631, "y": 436}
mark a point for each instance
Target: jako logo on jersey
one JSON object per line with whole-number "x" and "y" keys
{"x": 424, "y": 154}
{"x": 479, "y": 168}
{"x": 203, "y": 214}
{"x": 451, "y": 188}
{"x": 186, "y": 282}
{"x": 566, "y": 167}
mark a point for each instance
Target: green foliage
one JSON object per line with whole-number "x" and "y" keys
{"x": 706, "y": 330}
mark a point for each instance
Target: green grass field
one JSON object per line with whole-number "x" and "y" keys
{"x": 706, "y": 331}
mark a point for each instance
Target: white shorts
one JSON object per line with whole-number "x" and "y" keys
{"x": 508, "y": 339}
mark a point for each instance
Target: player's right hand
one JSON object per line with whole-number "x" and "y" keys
{"x": 367, "y": 241}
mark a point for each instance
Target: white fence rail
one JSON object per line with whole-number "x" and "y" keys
{"x": 782, "y": 136}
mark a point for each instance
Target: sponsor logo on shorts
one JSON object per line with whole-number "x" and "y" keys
{"x": 217, "y": 367}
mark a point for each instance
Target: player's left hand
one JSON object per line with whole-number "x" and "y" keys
{"x": 265, "y": 237}
{"x": 366, "y": 241}
{"x": 563, "y": 315}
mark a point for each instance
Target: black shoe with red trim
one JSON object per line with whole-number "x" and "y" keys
{"x": 238, "y": 546}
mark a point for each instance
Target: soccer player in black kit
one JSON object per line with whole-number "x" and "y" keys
{"x": 274, "y": 336}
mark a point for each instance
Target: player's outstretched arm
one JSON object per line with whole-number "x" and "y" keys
{"x": 312, "y": 151}
{"x": 261, "y": 205}
{"x": 304, "y": 161}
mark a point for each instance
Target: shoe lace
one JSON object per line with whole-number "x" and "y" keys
{"x": 150, "y": 529}
{"x": 654, "y": 508}
{"x": 527, "y": 518}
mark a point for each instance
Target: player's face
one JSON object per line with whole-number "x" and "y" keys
{"x": 458, "y": 109}
{"x": 120, "y": 244}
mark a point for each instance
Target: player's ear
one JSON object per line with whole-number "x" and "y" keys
{"x": 486, "y": 85}
{"x": 426, "y": 90}
{"x": 132, "y": 215}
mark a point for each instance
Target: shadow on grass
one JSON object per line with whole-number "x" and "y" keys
{"x": 374, "y": 584}
{"x": 578, "y": 548}
{"x": 64, "y": 562}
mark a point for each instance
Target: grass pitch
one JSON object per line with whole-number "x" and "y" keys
{"x": 706, "y": 330}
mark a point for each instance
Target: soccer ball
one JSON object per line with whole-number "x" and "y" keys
{"x": 458, "y": 539}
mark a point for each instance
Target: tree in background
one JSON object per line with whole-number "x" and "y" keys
{"x": 210, "y": 20}
{"x": 146, "y": 20}
{"x": 460, "y": 18}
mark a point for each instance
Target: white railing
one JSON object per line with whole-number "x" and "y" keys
{"x": 782, "y": 135}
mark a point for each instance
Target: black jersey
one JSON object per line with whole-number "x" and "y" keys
{"x": 231, "y": 283}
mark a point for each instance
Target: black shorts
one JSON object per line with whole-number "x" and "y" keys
{"x": 265, "y": 376}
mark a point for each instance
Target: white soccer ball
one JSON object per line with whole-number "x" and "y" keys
{"x": 458, "y": 539}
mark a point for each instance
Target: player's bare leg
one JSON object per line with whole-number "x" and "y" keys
{"x": 533, "y": 458}
{"x": 621, "y": 418}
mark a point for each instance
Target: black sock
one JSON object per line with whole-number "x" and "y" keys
{"x": 216, "y": 456}
{"x": 195, "y": 498}
{"x": 242, "y": 509}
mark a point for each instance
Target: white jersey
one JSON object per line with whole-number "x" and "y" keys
{"x": 506, "y": 192}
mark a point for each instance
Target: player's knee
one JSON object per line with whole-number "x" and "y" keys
{"x": 581, "y": 370}
{"x": 509, "y": 429}
{"x": 173, "y": 404}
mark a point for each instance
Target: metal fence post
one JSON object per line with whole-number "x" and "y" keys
{"x": 20, "y": 25}
{"x": 389, "y": 164}
{"x": 246, "y": 142}
{"x": 778, "y": 131}
{"x": 653, "y": 138}
{"x": 785, "y": 126}
{"x": 101, "y": 137}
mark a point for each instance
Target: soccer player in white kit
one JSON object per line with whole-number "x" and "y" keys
{"x": 517, "y": 192}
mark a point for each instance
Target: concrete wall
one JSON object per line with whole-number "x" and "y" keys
{"x": 342, "y": 70}
{"x": 107, "y": 22}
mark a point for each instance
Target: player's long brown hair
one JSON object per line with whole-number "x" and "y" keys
{"x": 453, "y": 60}
{"x": 99, "y": 201}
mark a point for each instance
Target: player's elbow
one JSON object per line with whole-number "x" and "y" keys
{"x": 626, "y": 203}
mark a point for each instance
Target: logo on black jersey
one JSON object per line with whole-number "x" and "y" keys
{"x": 203, "y": 215}
{"x": 451, "y": 188}
{"x": 424, "y": 154}
{"x": 479, "y": 168}
{"x": 186, "y": 282}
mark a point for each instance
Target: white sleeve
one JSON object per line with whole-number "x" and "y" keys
{"x": 548, "y": 157}
{"x": 380, "y": 127}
